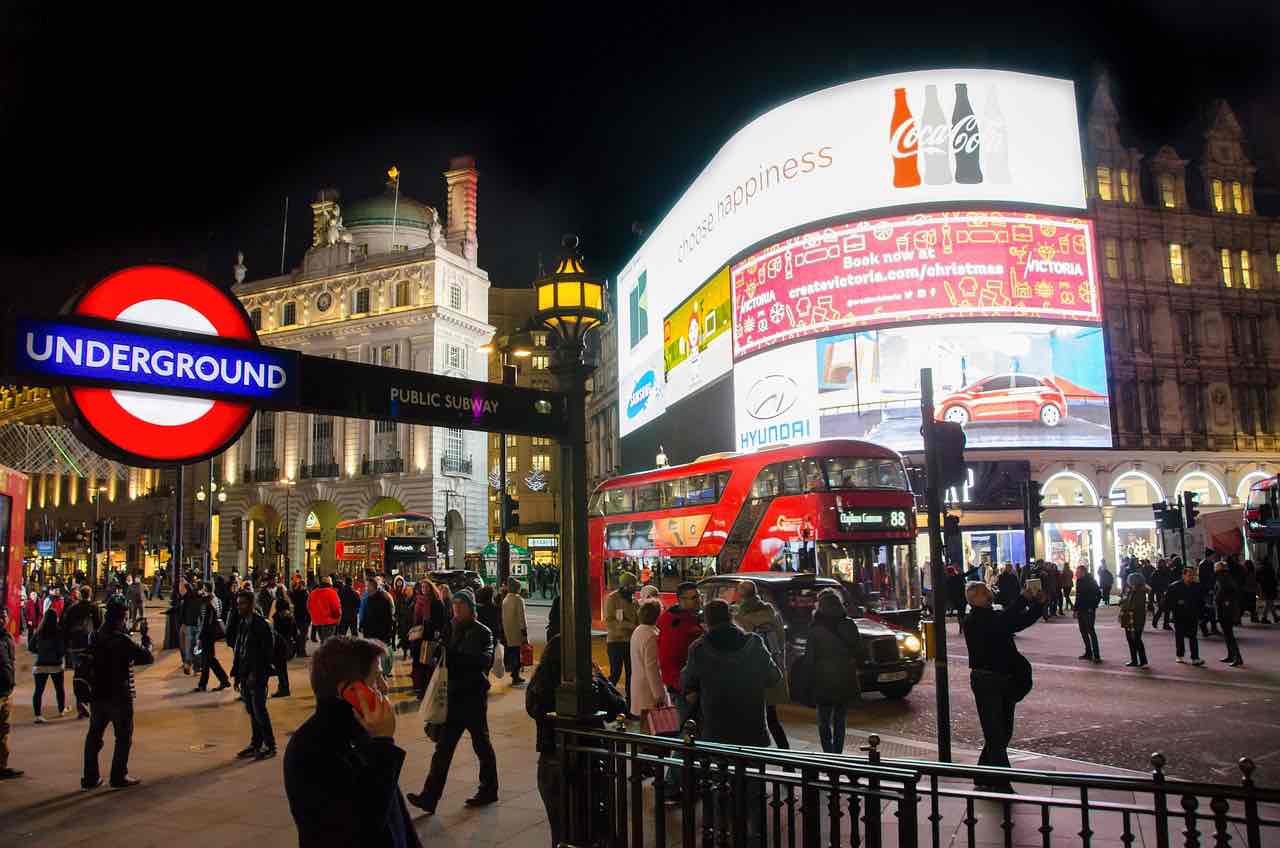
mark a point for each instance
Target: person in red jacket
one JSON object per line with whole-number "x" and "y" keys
{"x": 325, "y": 609}
{"x": 679, "y": 627}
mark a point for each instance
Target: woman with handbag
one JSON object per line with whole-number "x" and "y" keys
{"x": 403, "y": 596}
{"x": 833, "y": 641}
{"x": 1133, "y": 618}
{"x": 428, "y": 614}
{"x": 648, "y": 693}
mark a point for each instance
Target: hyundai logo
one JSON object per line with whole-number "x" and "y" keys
{"x": 772, "y": 396}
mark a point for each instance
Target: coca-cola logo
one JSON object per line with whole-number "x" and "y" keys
{"x": 934, "y": 138}
{"x": 905, "y": 139}
{"x": 965, "y": 136}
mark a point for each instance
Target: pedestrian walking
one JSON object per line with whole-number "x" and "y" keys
{"x": 380, "y": 619}
{"x": 252, "y": 640}
{"x": 621, "y": 616}
{"x": 999, "y": 675}
{"x": 515, "y": 628}
{"x": 760, "y": 617}
{"x": 647, "y": 690}
{"x": 1052, "y": 591}
{"x": 1066, "y": 579}
{"x": 51, "y": 652}
{"x": 285, "y": 628}
{"x": 350, "y": 600}
{"x": 1249, "y": 592}
{"x": 325, "y": 608}
{"x": 403, "y": 596}
{"x": 488, "y": 614}
{"x": 190, "y": 606}
{"x": 1159, "y": 585}
{"x": 833, "y": 647}
{"x": 1226, "y": 597}
{"x": 428, "y": 613}
{"x": 1185, "y": 598}
{"x": 299, "y": 599}
{"x": 1007, "y": 585}
{"x": 468, "y": 656}
{"x": 1207, "y": 576}
{"x": 113, "y": 655}
{"x": 1133, "y": 618}
{"x": 1088, "y": 596}
{"x": 210, "y": 632}
{"x": 679, "y": 626}
{"x": 1105, "y": 581}
{"x": 342, "y": 766}
{"x": 727, "y": 674}
{"x": 137, "y": 600}
{"x": 1267, "y": 586}
{"x": 8, "y": 682}
{"x": 81, "y": 620}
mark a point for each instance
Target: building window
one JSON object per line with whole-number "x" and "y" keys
{"x": 539, "y": 339}
{"x": 399, "y": 248}
{"x": 389, "y": 355}
{"x": 1131, "y": 259}
{"x": 1111, "y": 251}
{"x": 264, "y": 451}
{"x": 1246, "y": 270}
{"x": 455, "y": 296}
{"x": 540, "y": 442}
{"x": 456, "y": 356}
{"x": 513, "y": 463}
{"x": 404, "y": 293}
{"x": 1104, "y": 182}
{"x": 382, "y": 427}
{"x": 540, "y": 462}
{"x": 1226, "y": 267}
{"x": 289, "y": 314}
{"x": 513, "y": 441}
{"x": 639, "y": 302}
{"x": 540, "y": 363}
{"x": 1168, "y": 197}
{"x": 1125, "y": 194}
{"x": 1219, "y": 196}
{"x": 322, "y": 440}
{"x": 1237, "y": 197}
{"x": 453, "y": 441}
{"x": 255, "y": 317}
{"x": 360, "y": 301}
{"x": 1177, "y": 271}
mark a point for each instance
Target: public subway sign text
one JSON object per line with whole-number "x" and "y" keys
{"x": 443, "y": 400}
{"x": 139, "y": 358}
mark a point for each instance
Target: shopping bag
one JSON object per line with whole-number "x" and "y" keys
{"x": 434, "y": 709}
{"x": 662, "y": 721}
{"x": 526, "y": 655}
{"x": 499, "y": 667}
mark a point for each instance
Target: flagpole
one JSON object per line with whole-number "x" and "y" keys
{"x": 284, "y": 236}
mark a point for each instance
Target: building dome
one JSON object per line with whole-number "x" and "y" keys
{"x": 380, "y": 210}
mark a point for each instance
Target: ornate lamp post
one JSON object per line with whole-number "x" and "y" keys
{"x": 571, "y": 303}
{"x": 221, "y": 497}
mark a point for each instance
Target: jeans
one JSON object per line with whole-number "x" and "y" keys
{"x": 683, "y": 709}
{"x": 117, "y": 712}
{"x": 619, "y": 661}
{"x": 208, "y": 653}
{"x": 1085, "y": 620}
{"x": 57, "y": 688}
{"x": 511, "y": 659}
{"x": 300, "y": 638}
{"x": 775, "y": 726}
{"x": 1183, "y": 630}
{"x": 831, "y": 724}
{"x": 1137, "y": 650}
{"x": 475, "y": 722}
{"x": 255, "y": 704}
{"x": 190, "y": 634}
{"x": 550, "y": 788}
{"x": 1229, "y": 635}
{"x": 995, "y": 712}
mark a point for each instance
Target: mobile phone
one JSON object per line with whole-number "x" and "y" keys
{"x": 359, "y": 696}
{"x": 1033, "y": 585}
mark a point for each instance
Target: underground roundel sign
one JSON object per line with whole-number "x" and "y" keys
{"x": 166, "y": 329}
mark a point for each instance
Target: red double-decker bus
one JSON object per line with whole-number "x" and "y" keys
{"x": 395, "y": 544}
{"x": 839, "y": 507}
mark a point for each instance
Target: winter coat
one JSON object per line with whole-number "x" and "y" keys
{"x": 760, "y": 617}
{"x": 469, "y": 655}
{"x": 621, "y": 616}
{"x": 514, "y": 625}
{"x": 730, "y": 672}
{"x": 82, "y": 618}
{"x": 1185, "y": 602}
{"x": 1133, "y": 610}
{"x": 254, "y": 650}
{"x": 300, "y": 601}
{"x": 988, "y": 635}
{"x": 1088, "y": 595}
{"x": 647, "y": 690}
{"x": 189, "y": 609}
{"x": 8, "y": 668}
{"x": 350, "y": 605}
{"x": 379, "y": 617}
{"x": 1007, "y": 588}
{"x": 677, "y": 629}
{"x": 1226, "y": 595}
{"x": 50, "y": 653}
{"x": 833, "y": 647}
{"x": 114, "y": 656}
{"x": 324, "y": 606}
{"x": 404, "y": 616}
{"x": 490, "y": 617}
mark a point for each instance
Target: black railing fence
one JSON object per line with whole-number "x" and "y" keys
{"x": 615, "y": 795}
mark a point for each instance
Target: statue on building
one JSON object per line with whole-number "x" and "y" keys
{"x": 239, "y": 270}
{"x": 437, "y": 230}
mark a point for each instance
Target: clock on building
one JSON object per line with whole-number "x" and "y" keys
{"x": 324, "y": 301}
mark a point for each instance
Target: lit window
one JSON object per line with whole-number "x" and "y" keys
{"x": 1237, "y": 197}
{"x": 1278, "y": 262}
{"x": 389, "y": 355}
{"x": 1131, "y": 259}
{"x": 255, "y": 317}
{"x": 513, "y": 441}
{"x": 455, "y": 296}
{"x": 1226, "y": 267}
{"x": 1246, "y": 270}
{"x": 513, "y": 463}
{"x": 1219, "y": 196}
{"x": 1177, "y": 271}
{"x": 456, "y": 356}
{"x": 540, "y": 363}
{"x": 1111, "y": 250}
{"x": 539, "y": 339}
{"x": 404, "y": 293}
{"x": 1104, "y": 182}
{"x": 361, "y": 252}
{"x": 360, "y": 301}
{"x": 289, "y": 314}
{"x": 1125, "y": 194}
{"x": 1168, "y": 198}
{"x": 540, "y": 462}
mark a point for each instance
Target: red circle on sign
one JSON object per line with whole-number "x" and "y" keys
{"x": 144, "y": 440}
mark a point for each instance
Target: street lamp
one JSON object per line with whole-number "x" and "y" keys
{"x": 96, "y": 494}
{"x": 519, "y": 344}
{"x": 571, "y": 303}
{"x": 208, "y": 544}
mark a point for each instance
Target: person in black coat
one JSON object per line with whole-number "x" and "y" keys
{"x": 254, "y": 645}
{"x": 833, "y": 643}
{"x": 342, "y": 766}
{"x": 51, "y": 651}
{"x": 350, "y": 601}
{"x": 211, "y": 632}
{"x": 955, "y": 591}
{"x": 113, "y": 655}
{"x": 1007, "y": 586}
{"x": 1088, "y": 596}
{"x": 298, "y": 597}
{"x": 488, "y": 614}
{"x": 999, "y": 675}
{"x": 1185, "y": 600}
{"x": 1208, "y": 579}
{"x": 286, "y": 632}
{"x": 1226, "y": 597}
{"x": 380, "y": 620}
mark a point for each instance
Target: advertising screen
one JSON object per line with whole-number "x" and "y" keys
{"x": 940, "y": 136}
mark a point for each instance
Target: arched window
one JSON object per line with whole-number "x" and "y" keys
{"x": 1135, "y": 488}
{"x": 1066, "y": 488}
{"x": 1208, "y": 490}
{"x": 1242, "y": 490}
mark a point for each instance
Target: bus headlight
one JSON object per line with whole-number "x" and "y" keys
{"x": 910, "y": 642}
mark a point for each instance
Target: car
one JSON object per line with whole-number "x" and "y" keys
{"x": 456, "y": 579}
{"x": 891, "y": 661}
{"x": 1005, "y": 397}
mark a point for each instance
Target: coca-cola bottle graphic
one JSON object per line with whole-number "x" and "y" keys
{"x": 995, "y": 141}
{"x": 966, "y": 141}
{"x": 904, "y": 142}
{"x": 935, "y": 139}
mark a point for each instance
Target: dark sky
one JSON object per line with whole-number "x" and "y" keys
{"x": 174, "y": 134}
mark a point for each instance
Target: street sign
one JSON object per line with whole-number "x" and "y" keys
{"x": 46, "y": 549}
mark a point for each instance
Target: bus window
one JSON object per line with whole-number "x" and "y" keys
{"x": 617, "y": 501}
{"x": 702, "y": 489}
{"x": 647, "y": 498}
{"x": 766, "y": 483}
{"x": 674, "y": 492}
{"x": 394, "y": 527}
{"x": 814, "y": 479}
{"x": 722, "y": 483}
{"x": 791, "y": 478}
{"x": 857, "y": 473}
{"x": 420, "y": 527}
{"x": 595, "y": 506}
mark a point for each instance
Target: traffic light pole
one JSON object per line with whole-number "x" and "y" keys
{"x": 937, "y": 580}
{"x": 1028, "y": 531}
{"x": 504, "y": 547}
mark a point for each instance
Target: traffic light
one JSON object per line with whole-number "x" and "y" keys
{"x": 1167, "y": 518}
{"x": 441, "y": 542}
{"x": 950, "y": 440}
{"x": 1190, "y": 508}
{"x": 510, "y": 511}
{"x": 261, "y": 539}
{"x": 1035, "y": 504}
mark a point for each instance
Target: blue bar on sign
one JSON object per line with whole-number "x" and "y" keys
{"x": 70, "y": 351}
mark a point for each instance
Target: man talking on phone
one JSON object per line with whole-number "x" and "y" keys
{"x": 342, "y": 766}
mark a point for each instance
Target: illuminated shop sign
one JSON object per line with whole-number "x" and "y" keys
{"x": 863, "y": 518}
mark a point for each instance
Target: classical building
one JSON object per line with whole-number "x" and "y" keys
{"x": 603, "y": 458}
{"x": 386, "y": 280}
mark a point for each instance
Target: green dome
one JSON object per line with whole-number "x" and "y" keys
{"x": 381, "y": 208}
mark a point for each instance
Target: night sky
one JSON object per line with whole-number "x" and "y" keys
{"x": 130, "y": 136}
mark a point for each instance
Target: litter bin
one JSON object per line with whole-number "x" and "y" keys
{"x": 927, "y": 630}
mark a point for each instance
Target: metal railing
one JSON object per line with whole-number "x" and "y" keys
{"x": 455, "y": 464}
{"x": 260, "y": 474}
{"x": 318, "y": 469}
{"x": 393, "y": 465}
{"x": 743, "y": 796}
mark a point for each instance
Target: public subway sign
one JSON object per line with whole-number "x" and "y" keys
{"x": 157, "y": 366}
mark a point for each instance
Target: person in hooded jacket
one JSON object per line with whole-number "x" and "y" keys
{"x": 621, "y": 615}
{"x": 760, "y": 617}
{"x": 833, "y": 643}
{"x": 727, "y": 675}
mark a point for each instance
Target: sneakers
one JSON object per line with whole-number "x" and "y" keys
{"x": 1238, "y": 664}
{"x": 40, "y": 720}
{"x": 266, "y": 753}
{"x": 421, "y": 802}
{"x": 1197, "y": 662}
{"x": 1180, "y": 660}
{"x": 222, "y": 686}
{"x": 1131, "y": 664}
{"x": 1085, "y": 657}
{"x": 65, "y": 711}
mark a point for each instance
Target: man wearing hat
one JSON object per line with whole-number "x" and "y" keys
{"x": 468, "y": 656}
{"x": 621, "y": 617}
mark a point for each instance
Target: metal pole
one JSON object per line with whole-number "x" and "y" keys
{"x": 573, "y": 700}
{"x": 504, "y": 549}
{"x": 175, "y": 547}
{"x": 208, "y": 532}
{"x": 934, "y": 492}
{"x": 93, "y": 541}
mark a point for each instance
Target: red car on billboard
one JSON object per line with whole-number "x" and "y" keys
{"x": 1005, "y": 397}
